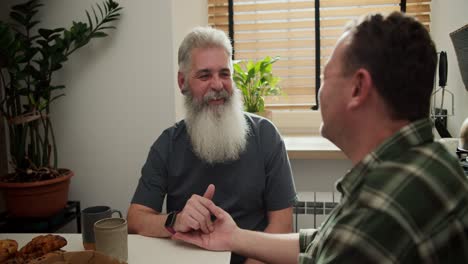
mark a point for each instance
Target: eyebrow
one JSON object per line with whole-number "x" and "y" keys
{"x": 202, "y": 71}
{"x": 205, "y": 71}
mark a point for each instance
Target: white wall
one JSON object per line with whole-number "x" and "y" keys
{"x": 446, "y": 17}
{"x": 318, "y": 175}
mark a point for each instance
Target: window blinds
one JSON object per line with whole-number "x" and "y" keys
{"x": 286, "y": 28}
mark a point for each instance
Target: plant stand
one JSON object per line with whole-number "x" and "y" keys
{"x": 50, "y": 224}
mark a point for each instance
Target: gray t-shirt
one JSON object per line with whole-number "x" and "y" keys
{"x": 258, "y": 182}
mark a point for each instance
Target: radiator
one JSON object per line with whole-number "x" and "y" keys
{"x": 313, "y": 208}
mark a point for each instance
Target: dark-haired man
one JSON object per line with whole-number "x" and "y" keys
{"x": 405, "y": 200}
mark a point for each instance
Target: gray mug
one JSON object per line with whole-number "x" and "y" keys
{"x": 89, "y": 216}
{"x": 111, "y": 237}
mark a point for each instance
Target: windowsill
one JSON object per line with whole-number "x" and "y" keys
{"x": 300, "y": 130}
{"x": 311, "y": 147}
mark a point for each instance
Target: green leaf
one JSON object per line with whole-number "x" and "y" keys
{"x": 31, "y": 70}
{"x": 45, "y": 33}
{"x": 108, "y": 27}
{"x": 116, "y": 15}
{"x": 56, "y": 97}
{"x": 18, "y": 18}
{"x": 35, "y": 6}
{"x": 43, "y": 43}
{"x": 57, "y": 87}
{"x": 112, "y": 4}
{"x": 32, "y": 24}
{"x": 99, "y": 35}
{"x": 95, "y": 16}
{"x": 57, "y": 30}
{"x": 260, "y": 104}
{"x": 250, "y": 65}
{"x": 31, "y": 14}
{"x": 90, "y": 22}
{"x": 239, "y": 80}
{"x": 252, "y": 72}
{"x": 54, "y": 37}
{"x": 107, "y": 20}
{"x": 56, "y": 67}
{"x": 258, "y": 64}
{"x": 67, "y": 36}
{"x": 20, "y": 8}
{"x": 237, "y": 68}
{"x": 255, "y": 82}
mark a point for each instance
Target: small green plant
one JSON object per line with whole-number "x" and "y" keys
{"x": 256, "y": 80}
{"x": 28, "y": 60}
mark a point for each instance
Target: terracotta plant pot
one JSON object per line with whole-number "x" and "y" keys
{"x": 36, "y": 199}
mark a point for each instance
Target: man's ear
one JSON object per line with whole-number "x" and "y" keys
{"x": 362, "y": 87}
{"x": 181, "y": 80}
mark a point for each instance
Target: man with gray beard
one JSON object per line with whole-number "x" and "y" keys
{"x": 218, "y": 133}
{"x": 217, "y": 146}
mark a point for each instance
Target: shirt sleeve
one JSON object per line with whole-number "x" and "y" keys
{"x": 152, "y": 186}
{"x": 306, "y": 236}
{"x": 280, "y": 191}
{"x": 360, "y": 235}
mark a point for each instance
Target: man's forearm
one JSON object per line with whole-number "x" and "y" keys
{"x": 270, "y": 248}
{"x": 147, "y": 223}
{"x": 275, "y": 228}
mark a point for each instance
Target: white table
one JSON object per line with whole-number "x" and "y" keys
{"x": 144, "y": 249}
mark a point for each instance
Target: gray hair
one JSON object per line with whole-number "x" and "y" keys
{"x": 202, "y": 37}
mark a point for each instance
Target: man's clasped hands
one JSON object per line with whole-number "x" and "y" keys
{"x": 195, "y": 224}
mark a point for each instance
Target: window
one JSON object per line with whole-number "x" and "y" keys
{"x": 287, "y": 28}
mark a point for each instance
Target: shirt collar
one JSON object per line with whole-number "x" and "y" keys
{"x": 411, "y": 135}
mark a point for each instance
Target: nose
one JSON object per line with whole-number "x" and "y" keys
{"x": 217, "y": 83}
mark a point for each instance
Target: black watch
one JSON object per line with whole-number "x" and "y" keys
{"x": 170, "y": 221}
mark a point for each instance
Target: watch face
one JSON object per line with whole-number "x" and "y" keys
{"x": 171, "y": 217}
{"x": 170, "y": 221}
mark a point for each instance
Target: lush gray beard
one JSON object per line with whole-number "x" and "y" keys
{"x": 218, "y": 133}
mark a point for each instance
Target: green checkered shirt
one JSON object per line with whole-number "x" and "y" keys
{"x": 406, "y": 202}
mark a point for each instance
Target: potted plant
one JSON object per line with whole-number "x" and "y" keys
{"x": 28, "y": 60}
{"x": 256, "y": 80}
